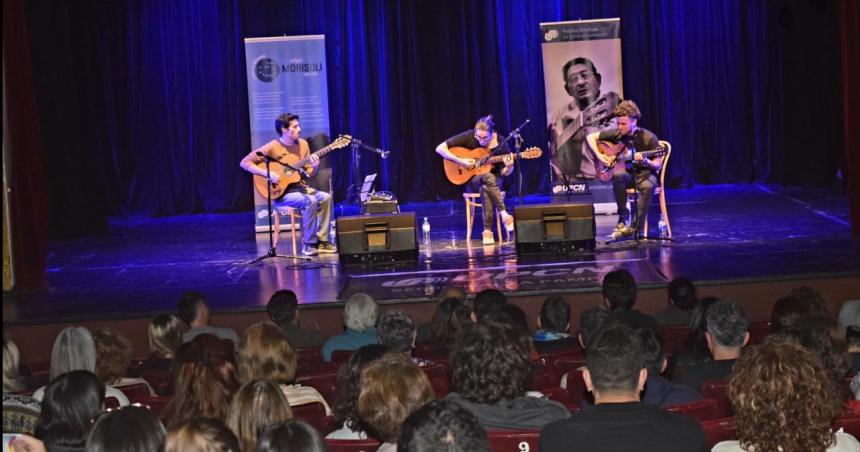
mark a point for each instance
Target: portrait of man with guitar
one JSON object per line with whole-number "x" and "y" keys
{"x": 288, "y": 180}
{"x": 474, "y": 157}
{"x": 621, "y": 151}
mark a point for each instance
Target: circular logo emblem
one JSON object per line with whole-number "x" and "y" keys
{"x": 266, "y": 69}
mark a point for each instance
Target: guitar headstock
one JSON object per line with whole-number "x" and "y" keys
{"x": 341, "y": 141}
{"x": 531, "y": 153}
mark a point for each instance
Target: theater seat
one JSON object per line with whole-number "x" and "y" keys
{"x": 314, "y": 414}
{"x": 718, "y": 391}
{"x": 135, "y": 392}
{"x": 325, "y": 382}
{"x": 514, "y": 440}
{"x": 352, "y": 445}
{"x": 576, "y": 388}
{"x": 851, "y": 424}
{"x": 702, "y": 410}
{"x": 716, "y": 430}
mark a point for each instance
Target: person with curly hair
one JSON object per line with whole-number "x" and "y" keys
{"x": 783, "y": 401}
{"x": 823, "y": 336}
{"x": 442, "y": 426}
{"x": 348, "y": 386}
{"x": 491, "y": 374}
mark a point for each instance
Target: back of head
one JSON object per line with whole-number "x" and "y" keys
{"x": 131, "y": 429}
{"x": 266, "y": 353}
{"x": 786, "y": 311}
{"x": 452, "y": 292}
{"x": 727, "y": 324}
{"x": 849, "y": 314}
{"x": 782, "y": 399}
{"x": 822, "y": 335}
{"x": 282, "y": 307}
{"x": 491, "y": 363}
{"x": 615, "y": 359}
{"x": 619, "y": 289}
{"x": 188, "y": 305}
{"x": 652, "y": 350}
{"x": 812, "y": 298}
{"x": 11, "y": 361}
{"x": 555, "y": 314}
{"x": 113, "y": 353}
{"x": 392, "y": 387}
{"x": 592, "y": 321}
{"x": 291, "y": 436}
{"x": 396, "y": 331}
{"x": 442, "y": 324}
{"x": 165, "y": 335}
{"x": 507, "y": 316}
{"x": 205, "y": 382}
{"x": 682, "y": 293}
{"x": 70, "y": 402}
{"x": 487, "y": 301}
{"x": 256, "y": 405}
{"x": 74, "y": 349}
{"x": 442, "y": 426}
{"x": 360, "y": 312}
{"x": 349, "y": 384}
{"x": 201, "y": 435}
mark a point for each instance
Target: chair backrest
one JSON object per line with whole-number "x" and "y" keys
{"x": 314, "y": 414}
{"x": 668, "y": 146}
{"x": 160, "y": 380}
{"x": 850, "y": 423}
{"x": 325, "y": 382}
{"x": 338, "y": 357}
{"x": 155, "y": 404}
{"x": 41, "y": 373}
{"x": 701, "y": 410}
{"x": 564, "y": 364}
{"x": 543, "y": 379}
{"x": 432, "y": 351}
{"x": 514, "y": 440}
{"x": 310, "y": 360}
{"x": 674, "y": 337}
{"x": 352, "y": 445}
{"x": 576, "y": 388}
{"x": 718, "y": 391}
{"x": 758, "y": 330}
{"x": 135, "y": 392}
{"x": 716, "y": 430}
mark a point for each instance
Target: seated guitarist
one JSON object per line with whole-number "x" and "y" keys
{"x": 315, "y": 205}
{"x": 636, "y": 139}
{"x": 483, "y": 136}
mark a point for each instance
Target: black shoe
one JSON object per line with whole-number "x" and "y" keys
{"x": 326, "y": 248}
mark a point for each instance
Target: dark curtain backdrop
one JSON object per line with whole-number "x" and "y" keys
{"x": 143, "y": 110}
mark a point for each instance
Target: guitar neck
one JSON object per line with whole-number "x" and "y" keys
{"x": 499, "y": 158}
{"x": 318, "y": 153}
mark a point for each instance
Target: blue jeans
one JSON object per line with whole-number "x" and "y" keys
{"x": 315, "y": 206}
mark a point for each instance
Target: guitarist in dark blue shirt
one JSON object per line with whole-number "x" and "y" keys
{"x": 633, "y": 141}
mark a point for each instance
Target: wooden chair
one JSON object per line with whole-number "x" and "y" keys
{"x": 659, "y": 192}
{"x": 702, "y": 410}
{"x": 352, "y": 445}
{"x": 514, "y": 440}
{"x": 277, "y": 225}
{"x": 473, "y": 200}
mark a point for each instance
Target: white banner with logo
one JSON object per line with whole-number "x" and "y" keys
{"x": 285, "y": 74}
{"x": 582, "y": 79}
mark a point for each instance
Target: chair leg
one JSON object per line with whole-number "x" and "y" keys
{"x": 277, "y": 227}
{"x": 293, "y": 230}
{"x": 644, "y": 222}
{"x": 469, "y": 213}
{"x": 665, "y": 212}
{"x": 499, "y": 225}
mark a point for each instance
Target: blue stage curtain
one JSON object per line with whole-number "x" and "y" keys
{"x": 143, "y": 104}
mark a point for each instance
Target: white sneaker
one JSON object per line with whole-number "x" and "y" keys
{"x": 508, "y": 221}
{"x": 487, "y": 238}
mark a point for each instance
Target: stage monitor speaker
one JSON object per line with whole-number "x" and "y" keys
{"x": 377, "y": 239}
{"x": 558, "y": 228}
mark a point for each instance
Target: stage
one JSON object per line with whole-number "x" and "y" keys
{"x": 722, "y": 234}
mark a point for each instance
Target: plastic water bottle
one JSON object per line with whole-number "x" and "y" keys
{"x": 663, "y": 228}
{"x": 332, "y": 234}
{"x": 425, "y": 237}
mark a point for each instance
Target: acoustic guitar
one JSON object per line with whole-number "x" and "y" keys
{"x": 609, "y": 155}
{"x": 288, "y": 175}
{"x": 484, "y": 162}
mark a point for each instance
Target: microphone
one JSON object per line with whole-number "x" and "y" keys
{"x": 384, "y": 154}
{"x": 260, "y": 154}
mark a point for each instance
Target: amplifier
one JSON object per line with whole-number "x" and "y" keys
{"x": 374, "y": 239}
{"x": 559, "y": 228}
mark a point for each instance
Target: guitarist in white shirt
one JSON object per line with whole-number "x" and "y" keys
{"x": 483, "y": 136}
{"x": 315, "y": 205}
{"x": 637, "y": 140}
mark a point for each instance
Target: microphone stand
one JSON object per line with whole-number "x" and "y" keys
{"x": 356, "y": 144}
{"x": 518, "y": 142}
{"x": 272, "y": 252}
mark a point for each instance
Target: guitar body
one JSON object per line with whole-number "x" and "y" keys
{"x": 287, "y": 175}
{"x": 459, "y": 175}
{"x": 613, "y": 159}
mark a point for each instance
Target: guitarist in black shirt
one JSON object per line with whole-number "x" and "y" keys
{"x": 635, "y": 140}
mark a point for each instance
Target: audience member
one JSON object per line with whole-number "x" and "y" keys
{"x": 20, "y": 412}
{"x": 815, "y": 300}
{"x": 397, "y": 331}
{"x": 283, "y": 309}
{"x": 71, "y": 401}
{"x": 855, "y": 386}
{"x": 824, "y": 337}
{"x": 11, "y": 364}
{"x": 291, "y": 436}
{"x": 682, "y": 300}
{"x": 487, "y": 301}
{"x": 592, "y": 321}
{"x": 658, "y": 390}
{"x": 436, "y": 329}
{"x": 205, "y": 383}
{"x": 132, "y": 429}
{"x": 392, "y": 387}
{"x": 491, "y": 374}
{"x": 266, "y": 354}
{"x": 782, "y": 402}
{"x": 726, "y": 335}
{"x": 194, "y": 311}
{"x": 348, "y": 388}
{"x": 113, "y": 353}
{"x": 785, "y": 311}
{"x": 165, "y": 337}
{"x": 619, "y": 295}
{"x": 554, "y": 326}
{"x": 74, "y": 349}
{"x": 849, "y": 314}
{"x": 256, "y": 405}
{"x": 442, "y": 426}
{"x": 618, "y": 421}
{"x": 359, "y": 317}
{"x": 849, "y": 319}
{"x": 694, "y": 350}
{"x": 201, "y": 434}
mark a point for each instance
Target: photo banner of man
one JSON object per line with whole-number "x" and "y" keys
{"x": 286, "y": 74}
{"x": 583, "y": 81}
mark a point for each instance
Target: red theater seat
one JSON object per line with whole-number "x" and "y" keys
{"x": 325, "y": 382}
{"x": 564, "y": 364}
{"x": 310, "y": 360}
{"x": 576, "y": 388}
{"x": 674, "y": 337}
{"x": 433, "y": 351}
{"x": 338, "y": 357}
{"x": 718, "y": 391}
{"x": 314, "y": 414}
{"x": 716, "y": 430}
{"x": 352, "y": 445}
{"x": 851, "y": 424}
{"x": 514, "y": 440}
{"x": 702, "y": 410}
{"x": 135, "y": 392}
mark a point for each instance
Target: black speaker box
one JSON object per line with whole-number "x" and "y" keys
{"x": 559, "y": 228}
{"x": 375, "y": 239}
